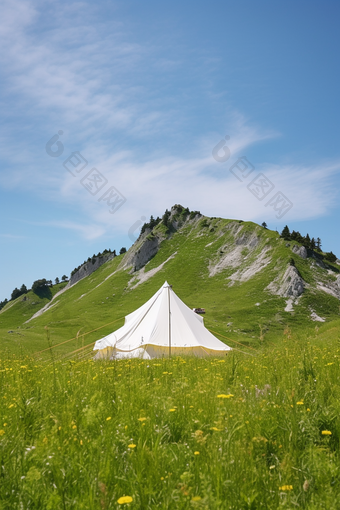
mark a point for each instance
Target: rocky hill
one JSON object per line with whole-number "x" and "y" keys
{"x": 253, "y": 284}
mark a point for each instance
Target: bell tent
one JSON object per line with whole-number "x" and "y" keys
{"x": 163, "y": 326}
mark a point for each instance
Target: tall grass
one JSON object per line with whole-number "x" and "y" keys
{"x": 240, "y": 432}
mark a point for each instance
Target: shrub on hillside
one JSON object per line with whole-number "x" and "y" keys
{"x": 330, "y": 257}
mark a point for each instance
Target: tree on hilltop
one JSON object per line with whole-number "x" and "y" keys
{"x": 285, "y": 234}
{"x": 15, "y": 293}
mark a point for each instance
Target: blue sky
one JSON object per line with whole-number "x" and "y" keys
{"x": 144, "y": 91}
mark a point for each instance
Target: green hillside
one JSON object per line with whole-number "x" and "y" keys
{"x": 225, "y": 266}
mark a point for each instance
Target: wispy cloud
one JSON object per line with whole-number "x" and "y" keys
{"x": 13, "y": 237}
{"x": 89, "y": 80}
{"x": 89, "y": 231}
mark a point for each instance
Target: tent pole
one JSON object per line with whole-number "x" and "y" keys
{"x": 169, "y": 322}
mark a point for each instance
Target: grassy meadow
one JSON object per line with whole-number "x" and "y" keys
{"x": 258, "y": 428}
{"x": 245, "y": 431}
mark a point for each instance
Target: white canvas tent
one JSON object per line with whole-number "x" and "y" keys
{"x": 163, "y": 326}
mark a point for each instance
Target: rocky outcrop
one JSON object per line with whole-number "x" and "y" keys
{"x": 89, "y": 267}
{"x": 148, "y": 243}
{"x": 300, "y": 250}
{"x": 231, "y": 256}
{"x": 144, "y": 252}
{"x": 290, "y": 285}
{"x": 331, "y": 288}
{"x": 243, "y": 275}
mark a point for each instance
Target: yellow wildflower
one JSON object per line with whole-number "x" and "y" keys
{"x": 299, "y": 403}
{"x": 196, "y": 453}
{"x": 141, "y": 419}
{"x": 172, "y": 410}
{"x": 124, "y": 499}
{"x": 2, "y": 432}
{"x": 326, "y": 433}
{"x": 196, "y": 498}
{"x": 286, "y": 488}
{"x": 225, "y": 396}
{"x": 108, "y": 418}
{"x": 132, "y": 446}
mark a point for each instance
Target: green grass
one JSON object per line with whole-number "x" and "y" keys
{"x": 238, "y": 432}
{"x": 104, "y": 297}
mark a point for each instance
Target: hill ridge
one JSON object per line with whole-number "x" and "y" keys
{"x": 241, "y": 272}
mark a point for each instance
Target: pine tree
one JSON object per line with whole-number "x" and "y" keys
{"x": 299, "y": 237}
{"x": 166, "y": 217}
{"x": 318, "y": 244}
{"x": 330, "y": 256}
{"x": 306, "y": 241}
{"x": 15, "y": 294}
{"x": 23, "y": 289}
{"x": 264, "y": 225}
{"x": 285, "y": 234}
{"x": 57, "y": 280}
{"x": 312, "y": 244}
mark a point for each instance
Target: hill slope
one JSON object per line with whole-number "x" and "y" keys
{"x": 254, "y": 286}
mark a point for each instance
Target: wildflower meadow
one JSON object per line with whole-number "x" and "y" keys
{"x": 254, "y": 429}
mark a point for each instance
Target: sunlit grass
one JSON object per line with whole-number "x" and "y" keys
{"x": 235, "y": 432}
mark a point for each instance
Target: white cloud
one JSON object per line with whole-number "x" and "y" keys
{"x": 86, "y": 81}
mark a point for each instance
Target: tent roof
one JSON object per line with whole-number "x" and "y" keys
{"x": 165, "y": 323}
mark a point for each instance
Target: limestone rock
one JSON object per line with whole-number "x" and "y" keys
{"x": 88, "y": 268}
{"x": 290, "y": 285}
{"x": 300, "y": 250}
